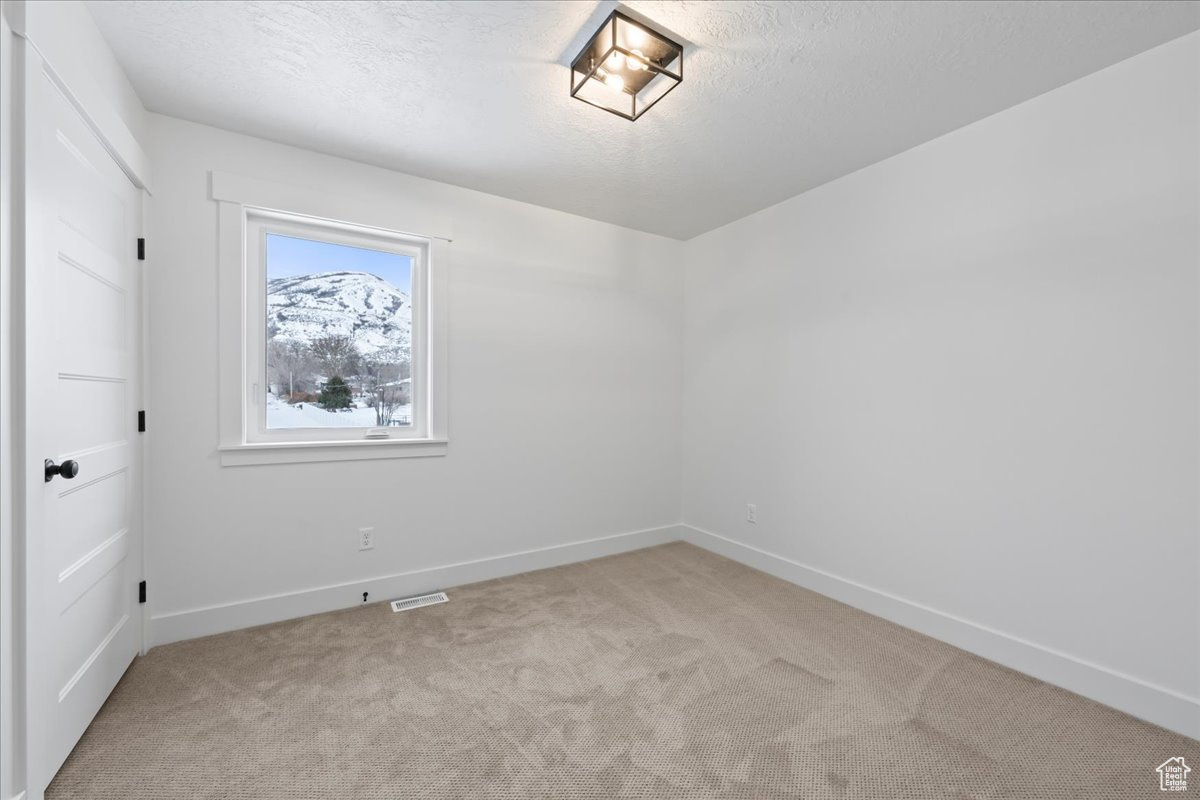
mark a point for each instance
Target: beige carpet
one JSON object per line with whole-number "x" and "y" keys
{"x": 665, "y": 673}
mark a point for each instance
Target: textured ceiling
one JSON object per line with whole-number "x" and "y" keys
{"x": 778, "y": 97}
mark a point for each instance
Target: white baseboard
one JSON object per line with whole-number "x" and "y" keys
{"x": 193, "y": 623}
{"x": 1156, "y": 704}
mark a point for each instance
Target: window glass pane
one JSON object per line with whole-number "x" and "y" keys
{"x": 339, "y": 335}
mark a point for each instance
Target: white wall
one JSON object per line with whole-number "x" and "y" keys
{"x": 964, "y": 382}
{"x": 67, "y": 37}
{"x": 565, "y": 391}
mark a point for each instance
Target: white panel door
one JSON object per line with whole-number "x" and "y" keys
{"x": 82, "y": 346}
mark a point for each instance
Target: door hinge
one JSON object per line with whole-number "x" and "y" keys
{"x": 142, "y": 592}
{"x": 141, "y": 249}
{"x": 141, "y": 422}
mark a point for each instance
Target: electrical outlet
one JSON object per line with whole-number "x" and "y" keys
{"x": 751, "y": 513}
{"x": 366, "y": 538}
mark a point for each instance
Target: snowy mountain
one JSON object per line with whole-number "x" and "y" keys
{"x": 366, "y": 308}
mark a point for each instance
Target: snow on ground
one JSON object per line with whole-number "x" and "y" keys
{"x": 311, "y": 415}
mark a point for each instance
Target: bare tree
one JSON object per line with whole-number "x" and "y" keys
{"x": 386, "y": 383}
{"x": 288, "y": 364}
{"x": 336, "y": 355}
{"x": 387, "y": 399}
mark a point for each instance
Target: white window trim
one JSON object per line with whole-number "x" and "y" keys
{"x": 242, "y": 203}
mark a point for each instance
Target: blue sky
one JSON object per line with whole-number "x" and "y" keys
{"x": 288, "y": 256}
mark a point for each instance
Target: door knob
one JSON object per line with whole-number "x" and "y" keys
{"x": 68, "y": 469}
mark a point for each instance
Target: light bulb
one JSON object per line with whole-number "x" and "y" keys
{"x": 636, "y": 61}
{"x": 614, "y": 60}
{"x": 615, "y": 82}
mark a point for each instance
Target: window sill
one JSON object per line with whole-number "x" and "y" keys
{"x": 242, "y": 455}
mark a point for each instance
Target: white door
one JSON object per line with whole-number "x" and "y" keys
{"x": 82, "y": 342}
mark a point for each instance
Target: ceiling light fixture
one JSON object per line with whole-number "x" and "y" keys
{"x": 626, "y": 67}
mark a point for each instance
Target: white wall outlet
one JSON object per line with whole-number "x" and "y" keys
{"x": 366, "y": 538}
{"x": 751, "y": 513}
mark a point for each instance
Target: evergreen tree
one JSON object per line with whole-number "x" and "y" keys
{"x": 335, "y": 394}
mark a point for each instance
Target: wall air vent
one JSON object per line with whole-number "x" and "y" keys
{"x": 420, "y": 601}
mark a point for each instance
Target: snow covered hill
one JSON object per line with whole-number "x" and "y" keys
{"x": 368, "y": 309}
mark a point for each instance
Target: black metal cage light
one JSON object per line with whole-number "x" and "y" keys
{"x": 626, "y": 67}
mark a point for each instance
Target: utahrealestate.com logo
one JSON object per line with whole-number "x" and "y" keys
{"x": 1172, "y": 775}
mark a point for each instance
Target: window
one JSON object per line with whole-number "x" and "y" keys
{"x": 339, "y": 352}
{"x": 335, "y": 357}
{"x": 339, "y": 323}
